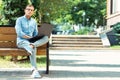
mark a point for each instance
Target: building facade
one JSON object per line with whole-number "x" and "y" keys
{"x": 113, "y": 12}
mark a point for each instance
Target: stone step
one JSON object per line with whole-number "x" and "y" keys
{"x": 71, "y": 45}
{"x": 67, "y": 37}
{"x": 59, "y": 39}
{"x": 83, "y": 37}
{"x": 77, "y": 36}
{"x": 79, "y": 48}
{"x": 75, "y": 42}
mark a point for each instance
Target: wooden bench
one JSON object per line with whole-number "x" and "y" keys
{"x": 8, "y": 45}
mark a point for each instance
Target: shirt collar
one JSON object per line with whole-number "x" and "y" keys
{"x": 26, "y": 18}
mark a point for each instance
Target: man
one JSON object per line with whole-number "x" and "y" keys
{"x": 26, "y": 28}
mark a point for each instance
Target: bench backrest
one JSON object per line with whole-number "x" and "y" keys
{"x": 8, "y": 35}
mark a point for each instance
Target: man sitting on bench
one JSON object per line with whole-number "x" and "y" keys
{"x": 26, "y": 28}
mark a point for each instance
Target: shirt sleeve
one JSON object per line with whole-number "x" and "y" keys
{"x": 35, "y": 33}
{"x": 18, "y": 28}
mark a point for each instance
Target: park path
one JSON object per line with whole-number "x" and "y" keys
{"x": 75, "y": 64}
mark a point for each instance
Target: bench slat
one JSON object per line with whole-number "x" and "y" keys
{"x": 7, "y": 30}
{"x": 41, "y": 52}
{"x": 7, "y": 37}
{"x": 13, "y": 45}
{"x": 7, "y": 44}
{"x": 12, "y": 52}
{"x": 18, "y": 52}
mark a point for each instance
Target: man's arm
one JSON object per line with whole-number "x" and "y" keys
{"x": 19, "y": 31}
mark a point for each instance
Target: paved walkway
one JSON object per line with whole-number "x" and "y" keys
{"x": 74, "y": 64}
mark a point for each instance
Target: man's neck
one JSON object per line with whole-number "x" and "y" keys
{"x": 28, "y": 17}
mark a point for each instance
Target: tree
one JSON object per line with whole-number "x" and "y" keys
{"x": 60, "y": 11}
{"x": 13, "y": 9}
{"x": 95, "y": 11}
{"x": 47, "y": 11}
{"x": 85, "y": 12}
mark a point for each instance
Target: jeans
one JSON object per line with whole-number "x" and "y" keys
{"x": 26, "y": 45}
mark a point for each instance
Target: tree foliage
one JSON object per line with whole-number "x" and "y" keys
{"x": 60, "y": 11}
{"x": 13, "y": 9}
{"x": 50, "y": 10}
{"x": 94, "y": 12}
{"x": 46, "y": 11}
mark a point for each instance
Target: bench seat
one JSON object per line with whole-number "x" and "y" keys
{"x": 13, "y": 52}
{"x": 8, "y": 45}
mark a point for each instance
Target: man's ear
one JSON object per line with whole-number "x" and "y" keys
{"x": 24, "y": 10}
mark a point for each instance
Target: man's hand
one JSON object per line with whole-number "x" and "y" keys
{"x": 27, "y": 37}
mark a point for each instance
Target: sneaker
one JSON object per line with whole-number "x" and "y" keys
{"x": 35, "y": 74}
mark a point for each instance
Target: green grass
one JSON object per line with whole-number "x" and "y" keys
{"x": 115, "y": 47}
{"x": 5, "y": 62}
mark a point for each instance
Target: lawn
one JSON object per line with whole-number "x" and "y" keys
{"x": 5, "y": 62}
{"x": 115, "y": 47}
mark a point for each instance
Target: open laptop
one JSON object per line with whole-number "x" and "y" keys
{"x": 44, "y": 30}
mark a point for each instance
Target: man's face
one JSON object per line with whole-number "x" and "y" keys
{"x": 29, "y": 11}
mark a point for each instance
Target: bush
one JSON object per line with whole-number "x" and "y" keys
{"x": 84, "y": 31}
{"x": 116, "y": 29}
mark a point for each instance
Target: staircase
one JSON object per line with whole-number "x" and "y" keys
{"x": 75, "y": 42}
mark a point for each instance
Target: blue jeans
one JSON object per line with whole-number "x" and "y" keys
{"x": 26, "y": 45}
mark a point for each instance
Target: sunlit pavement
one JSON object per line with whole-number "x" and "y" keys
{"x": 74, "y": 64}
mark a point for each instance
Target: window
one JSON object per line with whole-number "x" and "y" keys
{"x": 115, "y": 7}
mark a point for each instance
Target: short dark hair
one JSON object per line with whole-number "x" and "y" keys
{"x": 29, "y": 5}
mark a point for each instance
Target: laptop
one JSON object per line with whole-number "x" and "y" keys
{"x": 44, "y": 30}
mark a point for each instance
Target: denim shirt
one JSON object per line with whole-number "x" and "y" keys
{"x": 25, "y": 26}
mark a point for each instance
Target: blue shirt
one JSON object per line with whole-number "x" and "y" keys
{"x": 25, "y": 26}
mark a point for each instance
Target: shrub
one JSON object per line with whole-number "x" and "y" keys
{"x": 116, "y": 29}
{"x": 84, "y": 31}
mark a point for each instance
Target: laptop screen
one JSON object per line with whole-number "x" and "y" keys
{"x": 45, "y": 29}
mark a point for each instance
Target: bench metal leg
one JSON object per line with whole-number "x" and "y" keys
{"x": 47, "y": 59}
